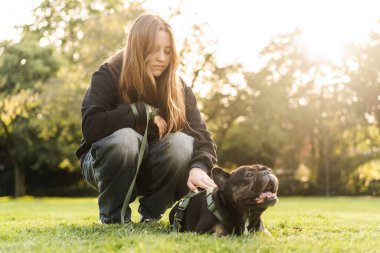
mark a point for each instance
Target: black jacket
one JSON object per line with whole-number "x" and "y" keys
{"x": 104, "y": 112}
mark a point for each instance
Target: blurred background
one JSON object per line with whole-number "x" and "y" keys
{"x": 294, "y": 85}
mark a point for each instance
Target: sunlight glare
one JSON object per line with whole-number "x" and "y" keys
{"x": 325, "y": 44}
{"x": 332, "y": 28}
{"x": 250, "y": 25}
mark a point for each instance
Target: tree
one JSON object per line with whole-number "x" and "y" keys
{"x": 24, "y": 67}
{"x": 362, "y": 67}
{"x": 304, "y": 100}
{"x": 40, "y": 98}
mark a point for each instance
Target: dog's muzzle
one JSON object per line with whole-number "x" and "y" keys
{"x": 268, "y": 195}
{"x": 265, "y": 190}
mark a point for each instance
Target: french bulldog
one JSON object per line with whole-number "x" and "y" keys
{"x": 240, "y": 198}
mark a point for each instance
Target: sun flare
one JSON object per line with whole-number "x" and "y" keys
{"x": 331, "y": 27}
{"x": 243, "y": 28}
{"x": 325, "y": 44}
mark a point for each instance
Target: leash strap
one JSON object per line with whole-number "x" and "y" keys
{"x": 150, "y": 113}
{"x": 178, "y": 216}
{"x": 134, "y": 111}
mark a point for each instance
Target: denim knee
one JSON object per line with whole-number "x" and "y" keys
{"x": 114, "y": 152}
{"x": 123, "y": 143}
{"x": 179, "y": 148}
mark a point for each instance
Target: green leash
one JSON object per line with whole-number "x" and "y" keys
{"x": 150, "y": 113}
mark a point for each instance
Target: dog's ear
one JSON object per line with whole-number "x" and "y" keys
{"x": 219, "y": 176}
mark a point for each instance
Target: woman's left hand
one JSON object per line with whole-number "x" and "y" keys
{"x": 161, "y": 125}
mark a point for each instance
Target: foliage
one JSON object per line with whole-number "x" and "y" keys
{"x": 366, "y": 174}
{"x": 297, "y": 110}
{"x": 24, "y": 67}
{"x": 51, "y": 106}
{"x": 61, "y": 22}
{"x": 362, "y": 66}
{"x": 297, "y": 225}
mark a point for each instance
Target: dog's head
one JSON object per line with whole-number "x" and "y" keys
{"x": 248, "y": 186}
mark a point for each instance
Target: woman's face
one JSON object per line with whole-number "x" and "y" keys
{"x": 162, "y": 55}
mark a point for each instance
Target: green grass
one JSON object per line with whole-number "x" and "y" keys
{"x": 337, "y": 224}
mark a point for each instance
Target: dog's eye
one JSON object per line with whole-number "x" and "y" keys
{"x": 250, "y": 174}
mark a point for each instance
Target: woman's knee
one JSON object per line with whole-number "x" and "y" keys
{"x": 114, "y": 155}
{"x": 180, "y": 148}
{"x": 122, "y": 144}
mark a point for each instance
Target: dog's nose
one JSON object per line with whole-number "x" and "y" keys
{"x": 264, "y": 168}
{"x": 264, "y": 173}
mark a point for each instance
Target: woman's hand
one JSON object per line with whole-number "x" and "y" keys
{"x": 161, "y": 125}
{"x": 199, "y": 178}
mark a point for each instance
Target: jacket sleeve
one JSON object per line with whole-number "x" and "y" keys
{"x": 204, "y": 151}
{"x": 102, "y": 112}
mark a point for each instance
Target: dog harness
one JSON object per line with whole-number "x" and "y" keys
{"x": 184, "y": 202}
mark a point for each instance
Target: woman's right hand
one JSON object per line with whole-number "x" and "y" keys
{"x": 161, "y": 125}
{"x": 199, "y": 178}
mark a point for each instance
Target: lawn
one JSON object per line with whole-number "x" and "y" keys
{"x": 336, "y": 224}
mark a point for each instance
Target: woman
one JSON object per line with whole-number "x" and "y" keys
{"x": 180, "y": 150}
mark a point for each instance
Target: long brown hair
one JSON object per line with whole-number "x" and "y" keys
{"x": 136, "y": 81}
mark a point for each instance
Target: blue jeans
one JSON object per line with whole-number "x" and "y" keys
{"x": 109, "y": 167}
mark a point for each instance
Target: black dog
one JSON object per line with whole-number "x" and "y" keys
{"x": 239, "y": 200}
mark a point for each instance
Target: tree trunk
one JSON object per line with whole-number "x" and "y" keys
{"x": 19, "y": 180}
{"x": 323, "y": 174}
{"x": 19, "y": 173}
{"x": 326, "y": 164}
{"x": 323, "y": 160}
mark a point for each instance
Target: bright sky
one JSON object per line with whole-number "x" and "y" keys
{"x": 244, "y": 27}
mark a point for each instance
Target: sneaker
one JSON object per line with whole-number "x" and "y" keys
{"x": 115, "y": 220}
{"x": 147, "y": 220}
{"x": 145, "y": 217}
{"x": 108, "y": 221}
